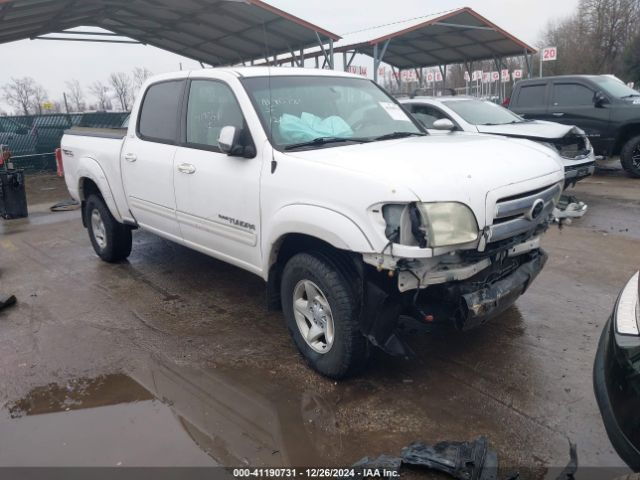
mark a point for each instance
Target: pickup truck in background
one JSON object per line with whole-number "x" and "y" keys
{"x": 601, "y": 105}
{"x": 320, "y": 183}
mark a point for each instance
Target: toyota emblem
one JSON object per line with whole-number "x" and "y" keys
{"x": 536, "y": 210}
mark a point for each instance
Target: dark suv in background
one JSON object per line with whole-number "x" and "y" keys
{"x": 601, "y": 105}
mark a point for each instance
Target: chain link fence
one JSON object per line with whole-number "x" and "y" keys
{"x": 33, "y": 139}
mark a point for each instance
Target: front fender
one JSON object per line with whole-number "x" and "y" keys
{"x": 322, "y": 223}
{"x": 89, "y": 168}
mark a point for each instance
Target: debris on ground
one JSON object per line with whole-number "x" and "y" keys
{"x": 570, "y": 470}
{"x": 65, "y": 206}
{"x": 6, "y": 301}
{"x": 462, "y": 460}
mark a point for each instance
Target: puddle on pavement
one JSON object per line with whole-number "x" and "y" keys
{"x": 163, "y": 415}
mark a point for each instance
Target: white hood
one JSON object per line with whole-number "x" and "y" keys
{"x": 438, "y": 168}
{"x": 535, "y": 129}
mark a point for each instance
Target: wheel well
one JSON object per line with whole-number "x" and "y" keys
{"x": 87, "y": 187}
{"x": 626, "y": 132}
{"x": 289, "y": 245}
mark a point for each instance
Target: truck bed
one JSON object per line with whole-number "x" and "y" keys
{"x": 116, "y": 133}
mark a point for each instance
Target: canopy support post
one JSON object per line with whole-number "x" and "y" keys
{"x": 347, "y": 63}
{"x": 498, "y": 62}
{"x": 328, "y": 55}
{"x": 527, "y": 59}
{"x": 378, "y": 55}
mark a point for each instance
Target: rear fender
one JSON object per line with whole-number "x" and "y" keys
{"x": 89, "y": 168}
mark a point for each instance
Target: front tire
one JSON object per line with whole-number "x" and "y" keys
{"x": 321, "y": 313}
{"x": 111, "y": 240}
{"x": 630, "y": 157}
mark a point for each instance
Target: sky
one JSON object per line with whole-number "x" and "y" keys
{"x": 52, "y": 63}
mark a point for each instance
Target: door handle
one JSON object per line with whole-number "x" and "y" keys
{"x": 130, "y": 157}
{"x": 186, "y": 168}
{"x": 558, "y": 114}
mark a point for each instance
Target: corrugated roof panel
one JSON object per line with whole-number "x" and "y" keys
{"x": 225, "y": 30}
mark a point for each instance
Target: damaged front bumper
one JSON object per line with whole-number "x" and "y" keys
{"x": 481, "y": 304}
{"x": 465, "y": 304}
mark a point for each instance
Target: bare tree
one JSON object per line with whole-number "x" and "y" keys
{"x": 19, "y": 94}
{"x": 594, "y": 39}
{"x": 101, "y": 92}
{"x": 140, "y": 75}
{"x": 123, "y": 87}
{"x": 76, "y": 95}
{"x": 632, "y": 60}
{"x": 39, "y": 98}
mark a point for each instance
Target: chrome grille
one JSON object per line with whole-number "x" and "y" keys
{"x": 522, "y": 213}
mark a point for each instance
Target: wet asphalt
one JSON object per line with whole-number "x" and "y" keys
{"x": 171, "y": 359}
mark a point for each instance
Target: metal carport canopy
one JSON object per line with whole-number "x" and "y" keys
{"x": 455, "y": 36}
{"x": 216, "y": 32}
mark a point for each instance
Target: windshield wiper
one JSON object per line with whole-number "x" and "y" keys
{"x": 394, "y": 135}
{"x": 324, "y": 141}
{"x": 631, "y": 95}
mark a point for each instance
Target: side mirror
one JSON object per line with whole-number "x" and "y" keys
{"x": 232, "y": 141}
{"x": 600, "y": 99}
{"x": 444, "y": 124}
{"x": 228, "y": 139}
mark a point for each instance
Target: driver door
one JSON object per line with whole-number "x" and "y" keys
{"x": 217, "y": 195}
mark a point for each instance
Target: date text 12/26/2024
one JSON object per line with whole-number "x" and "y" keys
{"x": 314, "y": 473}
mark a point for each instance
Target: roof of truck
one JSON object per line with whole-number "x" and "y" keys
{"x": 248, "y": 72}
{"x": 565, "y": 77}
{"x": 442, "y": 98}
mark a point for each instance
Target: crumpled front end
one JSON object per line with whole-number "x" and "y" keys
{"x": 464, "y": 285}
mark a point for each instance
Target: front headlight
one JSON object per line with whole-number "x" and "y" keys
{"x": 448, "y": 223}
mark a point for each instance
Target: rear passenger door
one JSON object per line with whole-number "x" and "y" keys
{"x": 147, "y": 159}
{"x": 531, "y": 101}
{"x": 573, "y": 104}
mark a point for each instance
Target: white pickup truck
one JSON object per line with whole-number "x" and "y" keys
{"x": 319, "y": 182}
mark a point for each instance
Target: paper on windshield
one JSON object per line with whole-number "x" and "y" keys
{"x": 394, "y": 111}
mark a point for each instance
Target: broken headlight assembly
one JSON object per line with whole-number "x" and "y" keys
{"x": 430, "y": 225}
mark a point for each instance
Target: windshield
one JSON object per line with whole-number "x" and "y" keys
{"x": 477, "y": 112}
{"x": 615, "y": 87}
{"x": 296, "y": 110}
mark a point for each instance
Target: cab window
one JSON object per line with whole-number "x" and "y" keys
{"x": 572, "y": 95}
{"x": 427, "y": 114}
{"x": 212, "y": 106}
{"x": 532, "y": 96}
{"x": 158, "y": 121}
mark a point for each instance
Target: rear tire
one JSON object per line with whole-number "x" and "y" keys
{"x": 321, "y": 313}
{"x": 630, "y": 157}
{"x": 111, "y": 240}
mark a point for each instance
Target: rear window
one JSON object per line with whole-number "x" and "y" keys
{"x": 532, "y": 96}
{"x": 159, "y": 114}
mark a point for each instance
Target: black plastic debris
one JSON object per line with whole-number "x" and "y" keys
{"x": 6, "y": 301}
{"x": 462, "y": 460}
{"x": 65, "y": 206}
